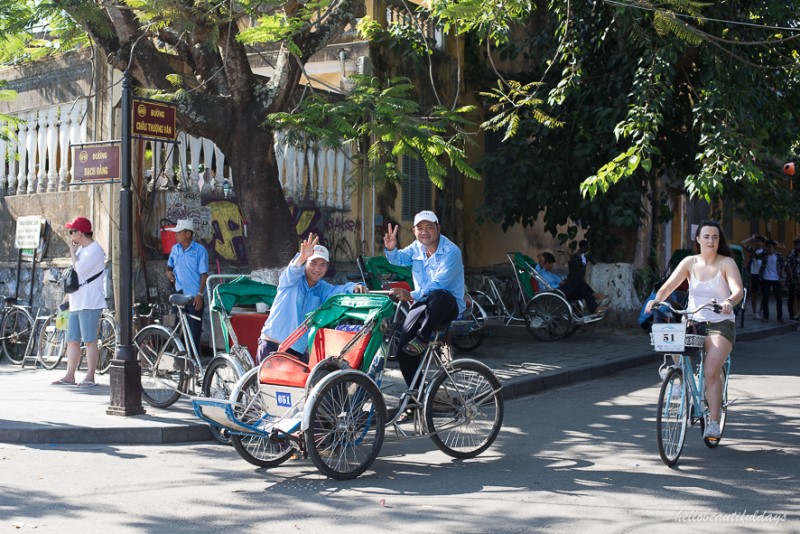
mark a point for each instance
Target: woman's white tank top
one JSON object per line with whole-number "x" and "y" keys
{"x": 703, "y": 292}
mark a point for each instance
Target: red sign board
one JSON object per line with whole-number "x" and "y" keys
{"x": 153, "y": 119}
{"x": 96, "y": 163}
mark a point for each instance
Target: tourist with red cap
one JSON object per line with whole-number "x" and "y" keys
{"x": 87, "y": 303}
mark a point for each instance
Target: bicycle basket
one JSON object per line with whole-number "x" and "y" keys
{"x": 678, "y": 337}
{"x": 53, "y": 295}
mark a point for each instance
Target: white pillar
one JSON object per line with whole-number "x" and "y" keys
{"x": 22, "y": 176}
{"x": 52, "y": 149}
{"x": 195, "y": 144}
{"x": 11, "y": 151}
{"x": 280, "y": 158}
{"x": 321, "y": 176}
{"x": 330, "y": 177}
{"x": 208, "y": 156}
{"x": 63, "y": 148}
{"x": 41, "y": 155}
{"x": 340, "y": 161}
{"x": 74, "y": 134}
{"x": 289, "y": 159}
{"x": 299, "y": 178}
{"x": 182, "y": 148}
{"x": 219, "y": 166}
{"x": 31, "y": 148}
{"x": 311, "y": 154}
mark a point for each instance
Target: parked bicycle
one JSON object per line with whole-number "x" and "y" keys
{"x": 333, "y": 409}
{"x": 19, "y": 326}
{"x": 681, "y": 400}
{"x": 52, "y": 344}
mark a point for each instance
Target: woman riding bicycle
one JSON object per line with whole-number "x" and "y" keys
{"x": 712, "y": 274}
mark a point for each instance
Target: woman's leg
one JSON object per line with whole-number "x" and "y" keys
{"x": 717, "y": 349}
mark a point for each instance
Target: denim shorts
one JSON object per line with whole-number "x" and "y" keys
{"x": 83, "y": 325}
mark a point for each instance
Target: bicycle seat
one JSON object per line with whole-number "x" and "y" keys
{"x": 179, "y": 299}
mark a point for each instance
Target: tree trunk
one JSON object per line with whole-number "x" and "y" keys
{"x": 250, "y": 151}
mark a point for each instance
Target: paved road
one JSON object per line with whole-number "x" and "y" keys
{"x": 576, "y": 459}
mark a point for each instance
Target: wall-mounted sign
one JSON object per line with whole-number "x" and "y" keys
{"x": 29, "y": 231}
{"x": 98, "y": 162}
{"x": 153, "y": 119}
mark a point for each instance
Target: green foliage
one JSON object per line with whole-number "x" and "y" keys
{"x": 385, "y": 116}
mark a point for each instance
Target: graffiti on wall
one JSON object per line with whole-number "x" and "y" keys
{"x": 335, "y": 230}
{"x": 226, "y": 239}
{"x": 186, "y": 205}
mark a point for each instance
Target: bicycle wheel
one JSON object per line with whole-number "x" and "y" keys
{"x": 673, "y": 417}
{"x": 473, "y": 337}
{"x": 106, "y": 342}
{"x": 261, "y": 451}
{"x": 548, "y": 317}
{"x": 346, "y": 430}
{"x": 52, "y": 344}
{"x": 464, "y": 409}
{"x": 161, "y": 359}
{"x": 486, "y": 302}
{"x": 218, "y": 383}
{"x": 16, "y": 330}
{"x": 724, "y": 375}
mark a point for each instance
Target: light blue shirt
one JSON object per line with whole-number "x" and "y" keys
{"x": 443, "y": 270}
{"x": 294, "y": 300}
{"x": 189, "y": 265}
{"x": 551, "y": 278}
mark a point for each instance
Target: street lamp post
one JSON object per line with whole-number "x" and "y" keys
{"x": 126, "y": 375}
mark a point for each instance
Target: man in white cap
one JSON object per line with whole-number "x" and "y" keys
{"x": 438, "y": 297}
{"x": 301, "y": 290}
{"x": 187, "y": 268}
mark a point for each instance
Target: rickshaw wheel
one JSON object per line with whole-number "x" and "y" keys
{"x": 218, "y": 383}
{"x": 346, "y": 427}
{"x": 464, "y": 409}
{"x": 548, "y": 317}
{"x": 257, "y": 450}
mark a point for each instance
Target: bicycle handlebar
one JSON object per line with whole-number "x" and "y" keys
{"x": 711, "y": 304}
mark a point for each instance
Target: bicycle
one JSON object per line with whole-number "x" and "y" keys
{"x": 18, "y": 329}
{"x": 52, "y": 344}
{"x": 528, "y": 298}
{"x": 680, "y": 399}
{"x": 333, "y": 409}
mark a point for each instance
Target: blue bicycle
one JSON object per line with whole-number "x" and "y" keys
{"x": 681, "y": 401}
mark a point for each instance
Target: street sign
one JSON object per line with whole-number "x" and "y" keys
{"x": 29, "y": 231}
{"x": 155, "y": 120}
{"x": 98, "y": 162}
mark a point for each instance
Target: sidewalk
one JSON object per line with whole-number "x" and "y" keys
{"x": 36, "y": 412}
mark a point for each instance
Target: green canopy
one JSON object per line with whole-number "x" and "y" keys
{"x": 524, "y": 265}
{"x": 367, "y": 309}
{"x": 379, "y": 268}
{"x": 242, "y": 291}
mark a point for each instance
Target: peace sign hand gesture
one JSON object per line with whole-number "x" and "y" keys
{"x": 390, "y": 238}
{"x": 307, "y": 248}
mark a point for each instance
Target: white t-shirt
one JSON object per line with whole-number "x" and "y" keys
{"x": 771, "y": 270}
{"x": 91, "y": 296}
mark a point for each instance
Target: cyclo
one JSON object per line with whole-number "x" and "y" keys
{"x": 333, "y": 409}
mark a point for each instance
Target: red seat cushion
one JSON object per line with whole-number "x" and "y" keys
{"x": 329, "y": 342}
{"x": 247, "y": 327}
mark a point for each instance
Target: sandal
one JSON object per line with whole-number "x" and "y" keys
{"x": 414, "y": 347}
{"x": 87, "y": 384}
{"x": 62, "y": 382}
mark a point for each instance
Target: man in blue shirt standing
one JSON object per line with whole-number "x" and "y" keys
{"x": 301, "y": 290}
{"x": 187, "y": 268}
{"x": 438, "y": 272}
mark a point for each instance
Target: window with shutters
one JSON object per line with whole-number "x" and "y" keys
{"x": 417, "y": 188}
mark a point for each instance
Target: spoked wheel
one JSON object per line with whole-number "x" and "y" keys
{"x": 473, "y": 337}
{"x": 16, "y": 328}
{"x": 673, "y": 417}
{"x": 106, "y": 342}
{"x": 162, "y": 360}
{"x": 52, "y": 344}
{"x": 548, "y": 317}
{"x": 261, "y": 451}
{"x": 711, "y": 442}
{"x": 464, "y": 409}
{"x": 346, "y": 429}
{"x": 218, "y": 383}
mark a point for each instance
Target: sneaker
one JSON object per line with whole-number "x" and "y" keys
{"x": 712, "y": 431}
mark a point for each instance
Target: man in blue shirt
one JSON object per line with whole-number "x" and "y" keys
{"x": 438, "y": 272}
{"x": 187, "y": 268}
{"x": 545, "y": 268}
{"x": 301, "y": 290}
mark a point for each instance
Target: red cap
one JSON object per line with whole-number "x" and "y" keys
{"x": 81, "y": 224}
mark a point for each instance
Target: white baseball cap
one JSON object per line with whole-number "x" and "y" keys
{"x": 425, "y": 215}
{"x": 183, "y": 224}
{"x": 320, "y": 252}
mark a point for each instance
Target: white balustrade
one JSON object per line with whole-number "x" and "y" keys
{"x": 41, "y": 155}
{"x": 52, "y": 147}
